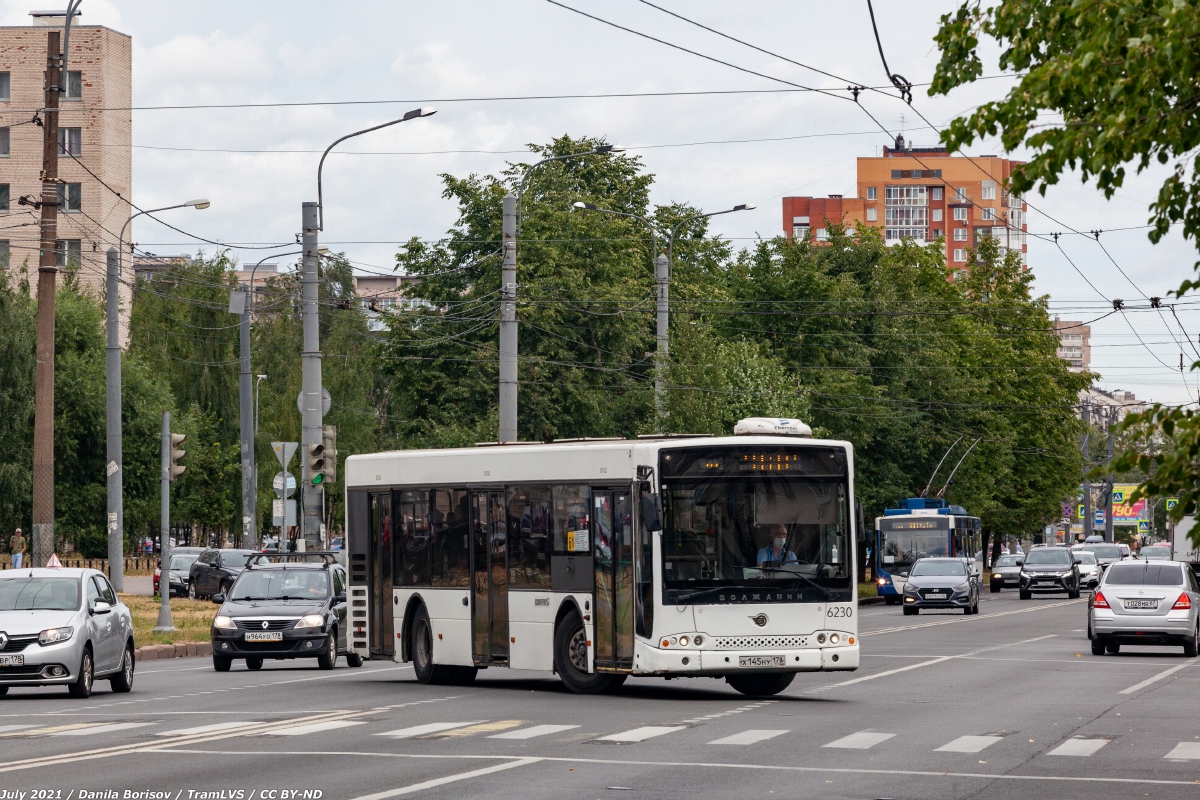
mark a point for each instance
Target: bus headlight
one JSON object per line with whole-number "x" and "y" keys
{"x": 683, "y": 640}
{"x": 697, "y": 640}
{"x": 834, "y": 638}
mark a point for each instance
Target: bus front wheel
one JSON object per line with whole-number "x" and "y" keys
{"x": 760, "y": 685}
{"x": 421, "y": 648}
{"x": 571, "y": 658}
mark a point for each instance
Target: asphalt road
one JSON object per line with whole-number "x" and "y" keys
{"x": 1009, "y": 703}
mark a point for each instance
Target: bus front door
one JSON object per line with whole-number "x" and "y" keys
{"x": 489, "y": 578}
{"x": 612, "y": 533}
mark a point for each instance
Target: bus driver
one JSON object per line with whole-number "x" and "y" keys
{"x": 774, "y": 553}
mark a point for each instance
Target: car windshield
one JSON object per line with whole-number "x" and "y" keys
{"x": 39, "y": 594}
{"x": 924, "y": 568}
{"x": 1058, "y": 558}
{"x": 1143, "y": 575}
{"x": 1156, "y": 553}
{"x": 183, "y": 562}
{"x": 1104, "y": 550}
{"x": 235, "y": 560}
{"x": 281, "y": 584}
{"x": 1006, "y": 561}
{"x": 1086, "y": 557}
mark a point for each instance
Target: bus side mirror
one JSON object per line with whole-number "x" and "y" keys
{"x": 651, "y": 512}
{"x": 861, "y": 522}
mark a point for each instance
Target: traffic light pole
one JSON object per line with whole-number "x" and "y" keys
{"x": 311, "y": 500}
{"x": 245, "y": 396}
{"x": 165, "y": 623}
{"x": 112, "y": 383}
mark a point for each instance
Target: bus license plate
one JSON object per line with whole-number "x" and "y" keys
{"x": 935, "y": 596}
{"x": 12, "y": 661}
{"x": 1141, "y": 604}
{"x": 760, "y": 661}
{"x": 272, "y": 636}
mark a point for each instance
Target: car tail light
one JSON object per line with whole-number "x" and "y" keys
{"x": 1100, "y": 602}
{"x": 1184, "y": 602}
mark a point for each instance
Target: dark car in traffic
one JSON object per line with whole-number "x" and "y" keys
{"x": 284, "y": 606}
{"x": 1006, "y": 572}
{"x": 1105, "y": 553}
{"x": 182, "y": 559}
{"x": 942, "y": 583}
{"x": 215, "y": 571}
{"x": 1050, "y": 569}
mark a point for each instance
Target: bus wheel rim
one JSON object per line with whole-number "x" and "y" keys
{"x": 578, "y": 650}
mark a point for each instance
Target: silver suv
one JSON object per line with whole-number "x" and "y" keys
{"x": 1140, "y": 602}
{"x": 63, "y": 627}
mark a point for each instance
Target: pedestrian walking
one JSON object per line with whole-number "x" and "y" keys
{"x": 16, "y": 546}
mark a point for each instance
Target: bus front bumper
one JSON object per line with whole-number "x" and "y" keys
{"x": 699, "y": 661}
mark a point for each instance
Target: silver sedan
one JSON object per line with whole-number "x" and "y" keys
{"x": 63, "y": 627}
{"x": 1151, "y": 603}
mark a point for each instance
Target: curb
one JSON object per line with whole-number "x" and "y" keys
{"x": 870, "y": 601}
{"x": 158, "y": 652}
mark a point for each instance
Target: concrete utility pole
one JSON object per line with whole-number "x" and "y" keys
{"x": 1087, "y": 481}
{"x": 245, "y": 390}
{"x": 508, "y": 322}
{"x": 165, "y": 623}
{"x": 112, "y": 402}
{"x": 1108, "y": 515}
{"x": 42, "y": 546}
{"x": 311, "y": 497}
{"x": 662, "y": 289}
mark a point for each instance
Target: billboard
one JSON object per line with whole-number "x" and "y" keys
{"x": 1124, "y": 511}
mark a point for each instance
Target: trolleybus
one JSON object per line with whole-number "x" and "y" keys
{"x": 726, "y": 556}
{"x": 920, "y": 527}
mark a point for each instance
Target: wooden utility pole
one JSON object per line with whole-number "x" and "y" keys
{"x": 43, "y": 419}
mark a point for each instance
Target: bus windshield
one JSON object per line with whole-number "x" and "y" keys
{"x": 756, "y": 538}
{"x": 902, "y": 548}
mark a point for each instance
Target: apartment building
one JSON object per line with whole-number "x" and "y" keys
{"x": 380, "y": 294}
{"x": 1074, "y": 343}
{"x": 95, "y": 126}
{"x": 922, "y": 193}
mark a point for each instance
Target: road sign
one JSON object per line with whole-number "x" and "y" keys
{"x": 326, "y": 402}
{"x": 277, "y": 483}
{"x": 1099, "y": 517}
{"x": 284, "y": 451}
{"x": 1171, "y": 503}
{"x": 1118, "y": 495}
{"x": 1144, "y": 526}
{"x": 278, "y": 510}
{"x": 1079, "y": 508}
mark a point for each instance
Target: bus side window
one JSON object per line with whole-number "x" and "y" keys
{"x": 450, "y": 525}
{"x": 529, "y": 525}
{"x": 412, "y": 525}
{"x": 572, "y": 516}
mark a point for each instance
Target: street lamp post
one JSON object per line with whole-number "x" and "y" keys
{"x": 508, "y": 293}
{"x": 112, "y": 401}
{"x": 312, "y": 222}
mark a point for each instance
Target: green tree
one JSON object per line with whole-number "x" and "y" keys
{"x": 18, "y": 361}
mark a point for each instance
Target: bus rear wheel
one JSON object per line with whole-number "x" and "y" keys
{"x": 571, "y": 656}
{"x": 421, "y": 648}
{"x": 760, "y": 685}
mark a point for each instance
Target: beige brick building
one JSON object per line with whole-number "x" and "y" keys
{"x": 95, "y": 125}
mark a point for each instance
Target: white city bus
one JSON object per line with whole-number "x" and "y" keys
{"x": 600, "y": 559}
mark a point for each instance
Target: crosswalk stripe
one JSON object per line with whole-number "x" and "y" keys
{"x": 483, "y": 727}
{"x": 102, "y": 728}
{"x": 432, "y": 727}
{"x": 220, "y": 726}
{"x": 641, "y": 734}
{"x": 1078, "y": 746}
{"x": 1189, "y": 750}
{"x": 535, "y": 731}
{"x": 11, "y": 728}
{"x": 316, "y": 727}
{"x": 54, "y": 729}
{"x": 968, "y": 744}
{"x": 863, "y": 740}
{"x": 750, "y": 737}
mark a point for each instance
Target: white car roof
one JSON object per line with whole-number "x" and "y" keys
{"x": 42, "y": 572}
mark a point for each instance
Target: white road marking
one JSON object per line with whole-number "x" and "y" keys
{"x": 218, "y": 726}
{"x": 535, "y": 731}
{"x": 1188, "y": 750}
{"x": 1191, "y": 662}
{"x": 316, "y": 727}
{"x": 432, "y": 727}
{"x": 965, "y": 618}
{"x": 641, "y": 734}
{"x": 1078, "y": 746}
{"x": 420, "y": 787}
{"x": 750, "y": 737}
{"x": 116, "y": 726}
{"x": 863, "y": 740}
{"x": 968, "y": 744}
{"x": 11, "y": 728}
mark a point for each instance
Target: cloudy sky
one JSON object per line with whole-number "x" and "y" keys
{"x": 747, "y": 144}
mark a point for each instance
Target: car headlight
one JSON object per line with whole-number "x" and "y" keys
{"x": 909, "y": 588}
{"x": 1024, "y": 574}
{"x": 311, "y": 621}
{"x": 224, "y": 623}
{"x": 54, "y": 635}
{"x": 962, "y": 587}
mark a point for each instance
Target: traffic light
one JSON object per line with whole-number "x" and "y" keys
{"x": 177, "y": 469}
{"x": 316, "y": 464}
{"x": 329, "y": 442}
